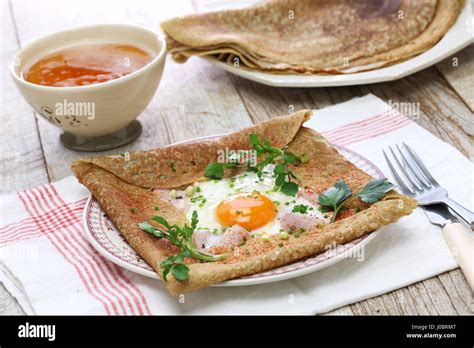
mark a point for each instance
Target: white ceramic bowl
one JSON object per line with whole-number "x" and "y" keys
{"x": 117, "y": 103}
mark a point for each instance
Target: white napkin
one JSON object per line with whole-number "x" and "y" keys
{"x": 36, "y": 265}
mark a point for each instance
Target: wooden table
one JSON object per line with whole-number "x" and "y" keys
{"x": 197, "y": 99}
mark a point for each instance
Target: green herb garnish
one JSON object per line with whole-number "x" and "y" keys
{"x": 215, "y": 170}
{"x": 338, "y": 195}
{"x": 285, "y": 179}
{"x": 375, "y": 190}
{"x": 300, "y": 208}
{"x": 182, "y": 238}
{"x": 172, "y": 165}
{"x": 200, "y": 200}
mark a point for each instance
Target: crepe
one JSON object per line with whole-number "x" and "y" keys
{"x": 314, "y": 36}
{"x": 125, "y": 186}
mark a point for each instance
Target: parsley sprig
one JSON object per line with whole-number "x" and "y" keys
{"x": 337, "y": 196}
{"x": 286, "y": 180}
{"x": 182, "y": 237}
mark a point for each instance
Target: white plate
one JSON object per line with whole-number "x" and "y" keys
{"x": 108, "y": 241}
{"x": 459, "y": 36}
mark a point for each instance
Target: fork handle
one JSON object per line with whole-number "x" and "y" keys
{"x": 462, "y": 212}
{"x": 461, "y": 244}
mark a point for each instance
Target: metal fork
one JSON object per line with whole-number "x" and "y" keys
{"x": 414, "y": 179}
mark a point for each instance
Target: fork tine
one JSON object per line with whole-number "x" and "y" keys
{"x": 421, "y": 165}
{"x": 418, "y": 175}
{"x": 400, "y": 183}
{"x": 411, "y": 171}
{"x": 408, "y": 180}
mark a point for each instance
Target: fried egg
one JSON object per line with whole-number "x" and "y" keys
{"x": 252, "y": 203}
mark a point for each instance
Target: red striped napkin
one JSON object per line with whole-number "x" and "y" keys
{"x": 50, "y": 267}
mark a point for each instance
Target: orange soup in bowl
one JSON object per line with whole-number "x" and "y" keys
{"x": 86, "y": 64}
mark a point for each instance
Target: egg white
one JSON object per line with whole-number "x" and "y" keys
{"x": 213, "y": 192}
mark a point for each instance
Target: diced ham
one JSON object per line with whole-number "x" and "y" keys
{"x": 294, "y": 221}
{"x": 180, "y": 202}
{"x": 309, "y": 195}
{"x": 204, "y": 240}
{"x": 200, "y": 238}
{"x": 234, "y": 236}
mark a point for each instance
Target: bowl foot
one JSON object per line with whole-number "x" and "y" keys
{"x": 106, "y": 142}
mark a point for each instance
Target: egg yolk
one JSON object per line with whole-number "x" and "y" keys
{"x": 249, "y": 210}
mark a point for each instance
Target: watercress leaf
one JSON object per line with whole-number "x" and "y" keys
{"x": 182, "y": 238}
{"x": 252, "y": 168}
{"x": 267, "y": 145}
{"x": 254, "y": 139}
{"x": 161, "y": 221}
{"x": 178, "y": 258}
{"x": 264, "y": 162}
{"x": 280, "y": 179}
{"x": 228, "y": 165}
{"x": 279, "y": 169}
{"x": 335, "y": 195}
{"x": 375, "y": 190}
{"x": 180, "y": 271}
{"x": 166, "y": 270}
{"x": 168, "y": 262}
{"x": 214, "y": 171}
{"x": 289, "y": 188}
{"x": 145, "y": 226}
{"x": 159, "y": 233}
{"x": 289, "y": 157}
{"x": 194, "y": 219}
{"x": 293, "y": 175}
{"x": 187, "y": 233}
{"x": 173, "y": 233}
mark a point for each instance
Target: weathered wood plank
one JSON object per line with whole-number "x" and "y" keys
{"x": 461, "y": 295}
{"x": 441, "y": 111}
{"x": 457, "y": 70}
{"x": 21, "y": 159}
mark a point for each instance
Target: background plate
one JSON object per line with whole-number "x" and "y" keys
{"x": 108, "y": 241}
{"x": 459, "y": 36}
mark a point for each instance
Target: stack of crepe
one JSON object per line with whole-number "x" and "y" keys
{"x": 314, "y": 36}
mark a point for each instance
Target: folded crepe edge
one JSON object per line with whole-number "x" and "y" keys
{"x": 387, "y": 211}
{"x": 152, "y": 168}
